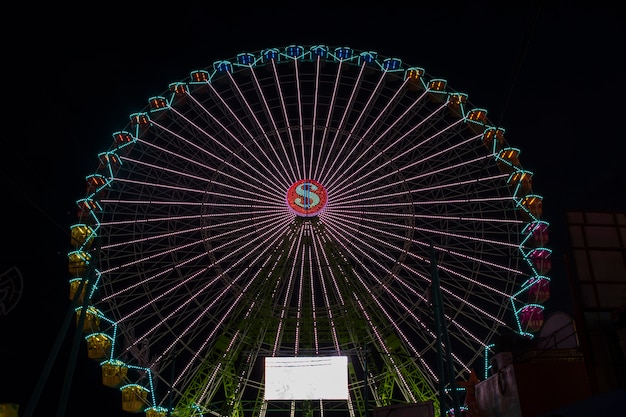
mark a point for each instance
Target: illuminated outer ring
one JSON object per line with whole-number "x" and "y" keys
{"x": 294, "y": 199}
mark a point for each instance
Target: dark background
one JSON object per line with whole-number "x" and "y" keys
{"x": 550, "y": 73}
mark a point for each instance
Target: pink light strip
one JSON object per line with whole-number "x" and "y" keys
{"x": 281, "y": 96}
{"x": 264, "y": 247}
{"x": 350, "y": 188}
{"x": 371, "y": 192}
{"x": 299, "y": 303}
{"x": 382, "y": 309}
{"x": 288, "y": 292}
{"x": 269, "y": 173}
{"x": 299, "y": 97}
{"x": 399, "y": 139}
{"x": 341, "y": 238}
{"x": 343, "y": 226}
{"x": 326, "y": 169}
{"x": 189, "y": 122}
{"x": 319, "y": 252}
{"x": 179, "y": 173}
{"x": 338, "y": 169}
{"x": 357, "y": 222}
{"x": 225, "y": 317}
{"x": 294, "y": 175}
{"x": 318, "y": 172}
{"x": 314, "y": 118}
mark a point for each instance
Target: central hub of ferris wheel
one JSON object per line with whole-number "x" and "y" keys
{"x": 306, "y": 198}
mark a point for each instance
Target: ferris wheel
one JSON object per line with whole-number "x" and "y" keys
{"x": 303, "y": 202}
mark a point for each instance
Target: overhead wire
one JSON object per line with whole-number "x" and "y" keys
{"x": 534, "y": 18}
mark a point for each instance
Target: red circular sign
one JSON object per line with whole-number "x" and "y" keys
{"x": 306, "y": 197}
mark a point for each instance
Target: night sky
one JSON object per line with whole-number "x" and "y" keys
{"x": 551, "y": 74}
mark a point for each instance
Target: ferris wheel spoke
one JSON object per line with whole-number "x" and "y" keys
{"x": 332, "y": 107}
{"x": 355, "y": 134}
{"x": 381, "y": 222}
{"x": 323, "y": 264}
{"x": 197, "y": 181}
{"x": 383, "y": 316}
{"x": 341, "y": 126}
{"x": 315, "y": 124}
{"x": 223, "y": 145}
{"x": 191, "y": 318}
{"x": 365, "y": 254}
{"x": 403, "y": 291}
{"x": 264, "y": 138}
{"x": 378, "y": 177}
{"x": 270, "y": 225}
{"x": 273, "y": 124}
{"x": 376, "y": 151}
{"x": 227, "y": 137}
{"x": 300, "y": 120}
{"x": 281, "y": 110}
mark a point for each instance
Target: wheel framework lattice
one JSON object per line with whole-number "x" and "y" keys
{"x": 285, "y": 203}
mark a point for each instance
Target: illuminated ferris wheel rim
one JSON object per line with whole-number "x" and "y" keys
{"x": 371, "y": 234}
